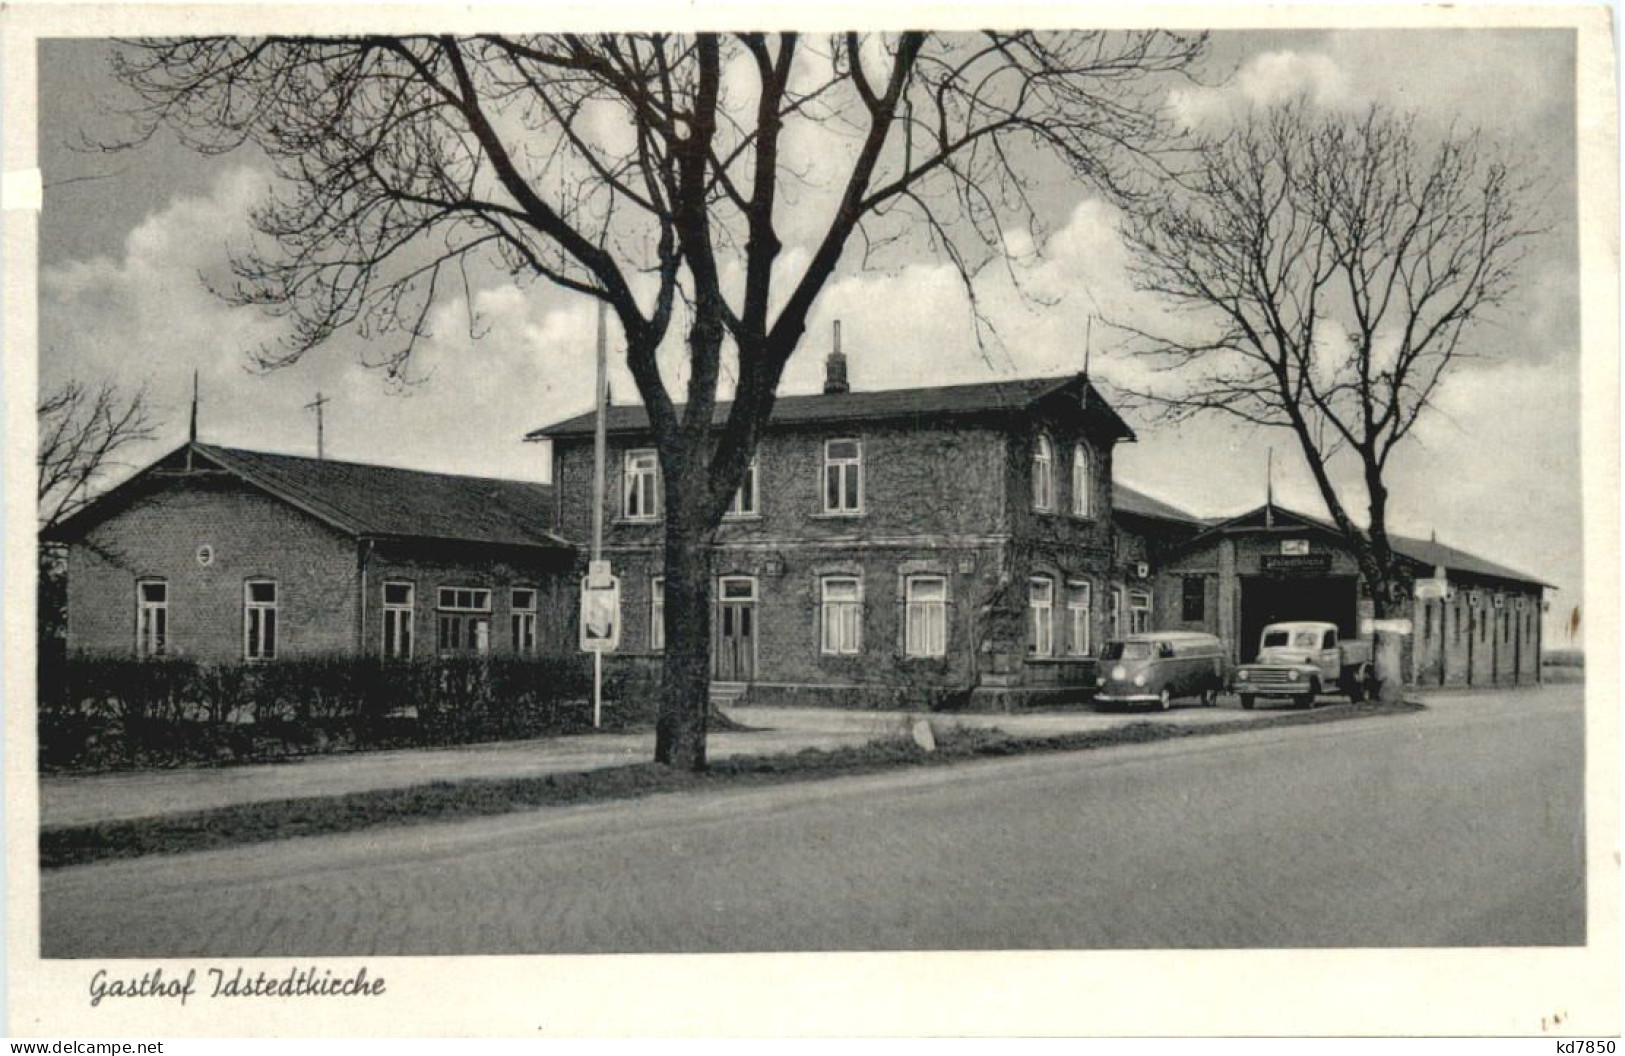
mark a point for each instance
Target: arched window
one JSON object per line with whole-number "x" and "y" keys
{"x": 1083, "y": 482}
{"x": 1043, "y": 474}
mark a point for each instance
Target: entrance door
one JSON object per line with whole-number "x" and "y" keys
{"x": 735, "y": 659}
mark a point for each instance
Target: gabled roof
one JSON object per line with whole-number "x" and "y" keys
{"x": 1418, "y": 551}
{"x": 365, "y": 500}
{"x": 1137, "y": 503}
{"x": 919, "y": 405}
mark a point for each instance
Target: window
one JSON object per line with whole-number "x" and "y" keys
{"x": 842, "y": 615}
{"x": 640, "y": 486}
{"x": 657, "y": 613}
{"x": 1139, "y": 604}
{"x": 1193, "y": 599}
{"x": 1043, "y": 475}
{"x": 523, "y": 621}
{"x": 1427, "y": 620}
{"x": 744, "y": 500}
{"x": 925, "y": 617}
{"x": 1077, "y": 618}
{"x": 398, "y": 602}
{"x": 1041, "y": 615}
{"x": 1114, "y": 614}
{"x": 843, "y": 476}
{"x": 1083, "y": 482}
{"x": 259, "y": 620}
{"x": 465, "y": 621}
{"x": 1329, "y": 640}
{"x": 152, "y": 617}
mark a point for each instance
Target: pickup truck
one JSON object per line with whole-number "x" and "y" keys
{"x": 1304, "y": 661}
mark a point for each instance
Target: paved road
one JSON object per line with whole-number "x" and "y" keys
{"x": 1459, "y": 826}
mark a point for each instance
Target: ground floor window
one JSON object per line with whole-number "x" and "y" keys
{"x": 522, "y": 621}
{"x": 464, "y": 621}
{"x": 1041, "y": 615}
{"x": 398, "y": 608}
{"x": 1193, "y": 600}
{"x": 1077, "y": 617}
{"x": 259, "y": 620}
{"x": 926, "y": 616}
{"x": 1114, "y": 615}
{"x": 152, "y": 617}
{"x": 842, "y": 618}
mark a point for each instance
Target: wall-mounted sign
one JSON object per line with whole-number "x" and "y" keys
{"x": 1294, "y": 547}
{"x": 1296, "y": 564}
{"x": 205, "y": 555}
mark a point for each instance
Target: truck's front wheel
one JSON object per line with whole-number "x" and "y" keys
{"x": 1247, "y": 702}
{"x": 1307, "y": 700}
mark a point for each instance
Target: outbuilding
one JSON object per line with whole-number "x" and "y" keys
{"x": 1473, "y": 622}
{"x": 223, "y": 554}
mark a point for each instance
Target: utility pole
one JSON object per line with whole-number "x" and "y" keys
{"x": 600, "y": 397}
{"x": 317, "y": 404}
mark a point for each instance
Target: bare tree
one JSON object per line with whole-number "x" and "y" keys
{"x": 643, "y": 171}
{"x": 1331, "y": 270}
{"x": 82, "y": 432}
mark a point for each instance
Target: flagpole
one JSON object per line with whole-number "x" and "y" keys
{"x": 598, "y": 457}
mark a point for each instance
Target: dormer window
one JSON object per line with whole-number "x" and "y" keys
{"x": 1043, "y": 473}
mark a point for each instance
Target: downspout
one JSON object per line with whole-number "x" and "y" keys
{"x": 363, "y": 555}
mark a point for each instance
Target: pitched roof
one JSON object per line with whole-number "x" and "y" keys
{"x": 920, "y": 405}
{"x": 1422, "y": 552}
{"x": 1128, "y": 500}
{"x": 368, "y": 500}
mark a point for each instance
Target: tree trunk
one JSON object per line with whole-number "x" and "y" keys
{"x": 685, "y": 689}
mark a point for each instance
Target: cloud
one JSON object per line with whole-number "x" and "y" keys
{"x": 1269, "y": 79}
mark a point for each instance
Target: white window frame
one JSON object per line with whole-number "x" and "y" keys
{"x": 736, "y": 506}
{"x": 657, "y": 614}
{"x": 151, "y": 639}
{"x": 1114, "y": 614}
{"x": 925, "y": 620}
{"x": 1078, "y": 616}
{"x": 467, "y": 606}
{"x": 843, "y": 468}
{"x": 1139, "y": 602}
{"x": 1041, "y": 616}
{"x": 403, "y": 616}
{"x": 522, "y": 621}
{"x": 264, "y": 615}
{"x": 640, "y": 478}
{"x": 1043, "y": 473}
{"x": 840, "y": 620}
{"x": 1083, "y": 482}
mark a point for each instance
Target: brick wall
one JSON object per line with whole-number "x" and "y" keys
{"x": 430, "y": 566}
{"x": 251, "y": 536}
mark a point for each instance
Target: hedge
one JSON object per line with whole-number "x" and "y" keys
{"x": 98, "y": 713}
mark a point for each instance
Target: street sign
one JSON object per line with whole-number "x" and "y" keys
{"x": 598, "y": 573}
{"x": 600, "y": 615}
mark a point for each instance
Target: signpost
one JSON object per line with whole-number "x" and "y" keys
{"x": 600, "y": 591}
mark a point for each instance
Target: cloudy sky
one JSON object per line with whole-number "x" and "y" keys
{"x": 125, "y": 239}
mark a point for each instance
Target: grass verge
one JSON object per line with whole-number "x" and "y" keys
{"x": 446, "y": 800}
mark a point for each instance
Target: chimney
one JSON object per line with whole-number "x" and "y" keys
{"x": 835, "y": 367}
